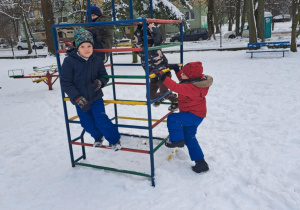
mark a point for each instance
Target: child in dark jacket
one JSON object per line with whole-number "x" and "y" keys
{"x": 157, "y": 61}
{"x": 182, "y": 126}
{"x": 81, "y": 80}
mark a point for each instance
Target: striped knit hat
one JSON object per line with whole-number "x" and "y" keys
{"x": 81, "y": 36}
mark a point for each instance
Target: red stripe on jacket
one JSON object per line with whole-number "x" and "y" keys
{"x": 190, "y": 98}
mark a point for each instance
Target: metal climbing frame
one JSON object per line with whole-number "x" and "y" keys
{"x": 115, "y": 101}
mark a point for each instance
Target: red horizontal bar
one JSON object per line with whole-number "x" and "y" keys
{"x": 106, "y": 147}
{"x": 129, "y": 83}
{"x": 107, "y": 65}
{"x": 159, "y": 121}
{"x": 111, "y": 50}
{"x": 161, "y": 21}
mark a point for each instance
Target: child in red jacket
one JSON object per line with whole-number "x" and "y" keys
{"x": 182, "y": 126}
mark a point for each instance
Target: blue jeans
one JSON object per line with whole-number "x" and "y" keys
{"x": 96, "y": 122}
{"x": 183, "y": 126}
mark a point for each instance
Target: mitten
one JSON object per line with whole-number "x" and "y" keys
{"x": 82, "y": 103}
{"x": 96, "y": 85}
{"x": 160, "y": 75}
{"x": 175, "y": 67}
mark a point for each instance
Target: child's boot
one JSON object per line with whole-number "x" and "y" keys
{"x": 174, "y": 106}
{"x": 117, "y": 146}
{"x": 98, "y": 143}
{"x": 201, "y": 166}
{"x": 158, "y": 102}
{"x": 173, "y": 144}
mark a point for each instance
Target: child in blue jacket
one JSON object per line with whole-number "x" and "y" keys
{"x": 81, "y": 80}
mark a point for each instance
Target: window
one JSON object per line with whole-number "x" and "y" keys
{"x": 62, "y": 19}
{"x": 31, "y": 15}
{"x": 189, "y": 15}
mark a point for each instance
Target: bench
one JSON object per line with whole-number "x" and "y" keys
{"x": 275, "y": 45}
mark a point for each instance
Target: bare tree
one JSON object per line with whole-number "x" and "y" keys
{"x": 244, "y": 14}
{"x": 295, "y": 7}
{"x": 48, "y": 17}
{"x": 210, "y": 20}
{"x": 23, "y": 17}
{"x": 251, "y": 22}
{"x": 237, "y": 17}
{"x": 260, "y": 20}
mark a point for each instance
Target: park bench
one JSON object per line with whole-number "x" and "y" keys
{"x": 275, "y": 47}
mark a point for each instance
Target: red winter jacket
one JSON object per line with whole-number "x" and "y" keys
{"x": 190, "y": 98}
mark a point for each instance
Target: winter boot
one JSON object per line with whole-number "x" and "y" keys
{"x": 173, "y": 144}
{"x": 174, "y": 106}
{"x": 117, "y": 146}
{"x": 158, "y": 102}
{"x": 98, "y": 143}
{"x": 201, "y": 166}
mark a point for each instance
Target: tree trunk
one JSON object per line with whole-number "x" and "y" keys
{"x": 251, "y": 22}
{"x": 295, "y": 5}
{"x": 216, "y": 22}
{"x": 237, "y": 17}
{"x": 134, "y": 55}
{"x": 244, "y": 13}
{"x": 25, "y": 27}
{"x": 48, "y": 18}
{"x": 260, "y": 20}
{"x": 210, "y": 22}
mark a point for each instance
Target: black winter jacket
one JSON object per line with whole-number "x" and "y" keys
{"x": 77, "y": 74}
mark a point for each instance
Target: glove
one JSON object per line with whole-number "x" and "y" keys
{"x": 175, "y": 67}
{"x": 160, "y": 75}
{"x": 96, "y": 85}
{"x": 82, "y": 103}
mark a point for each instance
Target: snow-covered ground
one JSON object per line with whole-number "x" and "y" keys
{"x": 250, "y": 138}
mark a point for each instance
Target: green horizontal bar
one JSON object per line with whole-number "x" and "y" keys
{"x": 113, "y": 169}
{"x": 161, "y": 143}
{"x": 108, "y": 84}
{"x": 124, "y": 76}
{"x": 164, "y": 46}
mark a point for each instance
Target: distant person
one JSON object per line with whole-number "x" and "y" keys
{"x": 81, "y": 80}
{"x": 157, "y": 61}
{"x": 182, "y": 126}
{"x": 102, "y": 35}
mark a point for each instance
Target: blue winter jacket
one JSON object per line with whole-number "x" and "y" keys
{"x": 77, "y": 74}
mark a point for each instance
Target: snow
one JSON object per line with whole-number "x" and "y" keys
{"x": 250, "y": 139}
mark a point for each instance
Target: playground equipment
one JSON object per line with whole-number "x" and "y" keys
{"x": 80, "y": 139}
{"x": 42, "y": 74}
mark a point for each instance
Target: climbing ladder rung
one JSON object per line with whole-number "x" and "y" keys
{"x": 106, "y": 147}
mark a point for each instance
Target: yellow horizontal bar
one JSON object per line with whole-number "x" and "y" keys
{"x": 154, "y": 75}
{"x": 141, "y": 119}
{"x": 126, "y": 102}
{"x": 164, "y": 70}
{"x": 123, "y": 45}
{"x": 73, "y": 118}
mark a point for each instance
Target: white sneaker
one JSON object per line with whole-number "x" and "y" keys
{"x": 117, "y": 146}
{"x": 98, "y": 143}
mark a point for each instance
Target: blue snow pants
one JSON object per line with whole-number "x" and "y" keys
{"x": 95, "y": 122}
{"x": 183, "y": 125}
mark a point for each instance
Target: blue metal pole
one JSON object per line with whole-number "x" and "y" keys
{"x": 151, "y": 9}
{"x": 113, "y": 9}
{"x": 181, "y": 40}
{"x": 148, "y": 98}
{"x": 131, "y": 9}
{"x": 89, "y": 10}
{"x": 63, "y": 96}
{"x": 114, "y": 88}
